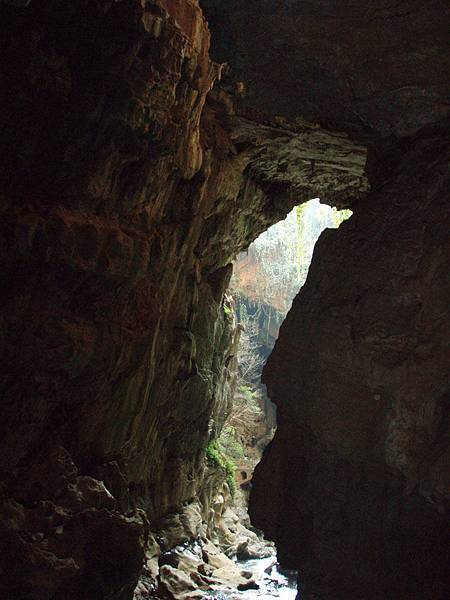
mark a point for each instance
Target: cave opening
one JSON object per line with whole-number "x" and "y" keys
{"x": 266, "y": 278}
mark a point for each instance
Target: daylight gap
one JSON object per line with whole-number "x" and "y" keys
{"x": 265, "y": 280}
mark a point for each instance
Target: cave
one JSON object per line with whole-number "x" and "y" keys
{"x": 144, "y": 144}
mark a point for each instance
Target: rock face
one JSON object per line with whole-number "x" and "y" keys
{"x": 360, "y": 460}
{"x": 372, "y": 68}
{"x": 129, "y": 181}
{"x": 128, "y": 185}
{"x": 359, "y": 465}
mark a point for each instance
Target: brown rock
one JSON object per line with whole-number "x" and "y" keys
{"x": 177, "y": 583}
{"x": 129, "y": 181}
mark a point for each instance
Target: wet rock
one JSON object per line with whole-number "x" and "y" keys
{"x": 269, "y": 569}
{"x": 250, "y": 585}
{"x": 224, "y": 570}
{"x": 246, "y": 551}
{"x": 169, "y": 558}
{"x": 247, "y": 574}
{"x": 237, "y": 541}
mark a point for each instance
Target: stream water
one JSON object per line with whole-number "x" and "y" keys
{"x": 272, "y": 582}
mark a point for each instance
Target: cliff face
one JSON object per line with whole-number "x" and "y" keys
{"x": 127, "y": 187}
{"x": 360, "y": 378}
{"x": 100, "y": 119}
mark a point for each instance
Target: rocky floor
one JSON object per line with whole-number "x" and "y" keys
{"x": 224, "y": 563}
{"x": 271, "y": 582}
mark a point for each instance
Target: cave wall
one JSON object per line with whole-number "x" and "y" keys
{"x": 128, "y": 184}
{"x": 372, "y": 68}
{"x": 359, "y": 464}
{"x": 359, "y": 374}
{"x": 132, "y": 172}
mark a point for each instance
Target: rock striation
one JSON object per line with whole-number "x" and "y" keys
{"x": 128, "y": 184}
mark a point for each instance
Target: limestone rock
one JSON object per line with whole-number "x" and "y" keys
{"x": 180, "y": 527}
{"x": 177, "y": 584}
{"x": 249, "y": 585}
{"x": 71, "y": 542}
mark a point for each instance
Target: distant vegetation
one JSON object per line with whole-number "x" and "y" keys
{"x": 229, "y": 445}
{"x": 266, "y": 279}
{"x": 275, "y": 266}
{"x": 216, "y": 457}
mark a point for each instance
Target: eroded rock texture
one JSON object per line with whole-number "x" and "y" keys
{"x": 358, "y": 465}
{"x": 127, "y": 187}
{"x": 129, "y": 181}
{"x": 360, "y": 461}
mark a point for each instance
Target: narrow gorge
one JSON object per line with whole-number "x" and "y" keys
{"x": 144, "y": 145}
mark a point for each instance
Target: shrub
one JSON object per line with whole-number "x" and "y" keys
{"x": 227, "y": 310}
{"x": 214, "y": 455}
{"x": 229, "y": 444}
{"x": 247, "y": 391}
{"x": 230, "y": 468}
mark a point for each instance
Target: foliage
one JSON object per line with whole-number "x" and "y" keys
{"x": 311, "y": 219}
{"x": 339, "y": 216}
{"x": 264, "y": 283}
{"x": 250, "y": 396}
{"x": 247, "y": 392}
{"x": 227, "y": 310}
{"x": 265, "y": 280}
{"x": 276, "y": 264}
{"x": 246, "y": 411}
{"x": 215, "y": 456}
{"x": 229, "y": 443}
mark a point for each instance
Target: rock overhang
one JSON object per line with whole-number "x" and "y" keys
{"x": 369, "y": 69}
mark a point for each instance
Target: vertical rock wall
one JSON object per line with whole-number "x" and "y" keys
{"x": 360, "y": 461}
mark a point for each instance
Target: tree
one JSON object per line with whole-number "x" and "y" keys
{"x": 250, "y": 361}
